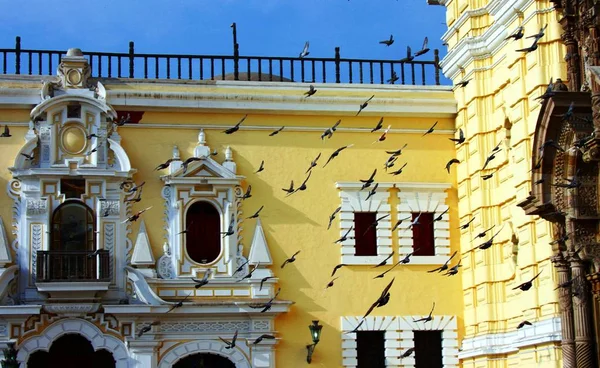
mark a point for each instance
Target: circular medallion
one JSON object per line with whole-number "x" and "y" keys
{"x": 74, "y": 76}
{"x": 73, "y": 139}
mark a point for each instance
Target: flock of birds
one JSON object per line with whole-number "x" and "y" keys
{"x": 385, "y": 295}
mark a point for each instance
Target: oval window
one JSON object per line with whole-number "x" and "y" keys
{"x": 203, "y": 238}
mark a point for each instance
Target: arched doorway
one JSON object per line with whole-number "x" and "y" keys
{"x": 204, "y": 360}
{"x": 71, "y": 351}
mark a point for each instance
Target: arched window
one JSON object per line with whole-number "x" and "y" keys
{"x": 73, "y": 227}
{"x": 203, "y": 238}
{"x": 204, "y": 360}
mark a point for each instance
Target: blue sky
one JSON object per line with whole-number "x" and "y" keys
{"x": 265, "y": 27}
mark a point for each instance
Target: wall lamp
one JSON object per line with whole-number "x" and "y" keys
{"x": 315, "y": 333}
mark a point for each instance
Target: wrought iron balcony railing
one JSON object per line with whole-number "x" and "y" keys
{"x": 214, "y": 67}
{"x": 63, "y": 265}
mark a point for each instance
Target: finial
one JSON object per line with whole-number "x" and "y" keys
{"x": 166, "y": 249}
{"x": 201, "y": 137}
{"x": 176, "y": 152}
{"x": 228, "y": 154}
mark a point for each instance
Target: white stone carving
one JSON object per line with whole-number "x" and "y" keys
{"x": 5, "y": 256}
{"x": 109, "y": 208}
{"x": 142, "y": 252}
{"x": 72, "y": 309}
{"x": 164, "y": 266}
{"x": 218, "y": 184}
{"x": 36, "y": 244}
{"x": 142, "y": 290}
{"x": 354, "y": 200}
{"x": 547, "y": 331}
{"x": 205, "y": 326}
{"x": 204, "y": 346}
{"x": 98, "y": 339}
{"x": 259, "y": 250}
{"x": 399, "y": 337}
{"x": 36, "y": 207}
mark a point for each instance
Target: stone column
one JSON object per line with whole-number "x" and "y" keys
{"x": 145, "y": 353}
{"x": 584, "y": 333}
{"x": 569, "y": 26}
{"x": 262, "y": 355}
{"x": 566, "y": 312}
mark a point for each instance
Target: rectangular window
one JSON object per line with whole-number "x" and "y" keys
{"x": 72, "y": 188}
{"x": 370, "y": 349}
{"x": 365, "y": 234}
{"x": 428, "y": 349}
{"x": 423, "y": 240}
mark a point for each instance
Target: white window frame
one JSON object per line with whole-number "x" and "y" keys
{"x": 399, "y": 337}
{"x": 353, "y": 200}
{"x": 424, "y": 197}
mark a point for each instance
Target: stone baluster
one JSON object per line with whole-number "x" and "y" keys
{"x": 584, "y": 334}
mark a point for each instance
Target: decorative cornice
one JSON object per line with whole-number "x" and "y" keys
{"x": 263, "y": 97}
{"x": 288, "y": 128}
{"x": 491, "y": 41}
{"x": 540, "y": 332}
{"x": 351, "y": 185}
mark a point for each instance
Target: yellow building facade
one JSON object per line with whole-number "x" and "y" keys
{"x": 79, "y": 259}
{"x": 505, "y": 122}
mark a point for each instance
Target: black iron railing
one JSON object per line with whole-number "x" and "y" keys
{"x": 64, "y": 265}
{"x": 236, "y": 67}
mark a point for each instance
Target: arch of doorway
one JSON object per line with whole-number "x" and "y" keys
{"x": 197, "y": 347}
{"x": 75, "y": 326}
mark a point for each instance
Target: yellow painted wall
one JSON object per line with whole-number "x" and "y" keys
{"x": 298, "y": 222}
{"x": 498, "y": 107}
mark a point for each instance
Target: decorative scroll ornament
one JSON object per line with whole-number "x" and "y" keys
{"x": 164, "y": 266}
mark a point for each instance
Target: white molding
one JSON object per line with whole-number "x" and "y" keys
{"x": 142, "y": 251}
{"x": 259, "y": 250}
{"x": 399, "y": 100}
{"x": 399, "y": 337}
{"x": 424, "y": 198}
{"x": 97, "y": 338}
{"x": 353, "y": 201}
{"x": 491, "y": 41}
{"x": 406, "y": 186}
{"x": 540, "y": 332}
{"x": 216, "y": 347}
{"x": 266, "y": 128}
{"x": 5, "y": 256}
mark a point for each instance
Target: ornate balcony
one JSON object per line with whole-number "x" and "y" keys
{"x": 73, "y": 274}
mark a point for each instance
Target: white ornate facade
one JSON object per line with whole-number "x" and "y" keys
{"x": 73, "y": 136}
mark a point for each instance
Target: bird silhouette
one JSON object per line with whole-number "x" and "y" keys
{"x": 276, "y": 131}
{"x": 460, "y": 139}
{"x": 6, "y": 132}
{"x": 519, "y": 33}
{"x": 336, "y": 153}
{"x": 329, "y": 131}
{"x": 364, "y": 105}
{"x": 262, "y": 337}
{"x": 430, "y": 129}
{"x": 204, "y": 280}
{"x": 292, "y": 259}
{"x": 305, "y": 52}
{"x": 424, "y": 49}
{"x": 313, "y": 163}
{"x": 388, "y": 42}
{"x": 452, "y": 161}
{"x": 236, "y": 127}
{"x": 428, "y": 318}
{"x": 337, "y": 268}
{"x": 311, "y": 91}
{"x": 527, "y": 284}
{"x": 523, "y": 324}
{"x": 230, "y": 344}
{"x": 332, "y": 216}
{"x": 261, "y": 167}
{"x": 443, "y": 267}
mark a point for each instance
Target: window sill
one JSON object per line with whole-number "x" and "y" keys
{"x": 364, "y": 260}
{"x": 427, "y": 260}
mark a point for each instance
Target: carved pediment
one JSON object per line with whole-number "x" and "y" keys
{"x": 206, "y": 168}
{"x": 554, "y": 165}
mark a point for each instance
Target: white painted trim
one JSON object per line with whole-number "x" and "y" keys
{"x": 491, "y": 41}
{"x": 541, "y": 332}
{"x": 217, "y": 347}
{"x": 399, "y": 337}
{"x": 425, "y": 198}
{"x": 82, "y": 327}
{"x": 354, "y": 201}
{"x": 405, "y": 186}
{"x": 407, "y": 101}
{"x": 265, "y": 128}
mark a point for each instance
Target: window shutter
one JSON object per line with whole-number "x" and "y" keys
{"x": 423, "y": 238}
{"x": 365, "y": 235}
{"x": 428, "y": 349}
{"x": 203, "y": 239}
{"x": 370, "y": 349}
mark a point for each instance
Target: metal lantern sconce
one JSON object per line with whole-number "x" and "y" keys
{"x": 315, "y": 333}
